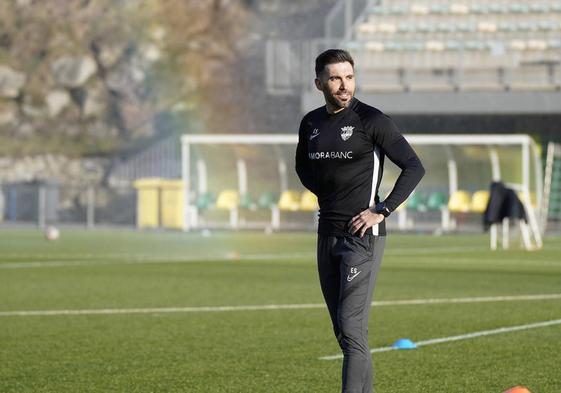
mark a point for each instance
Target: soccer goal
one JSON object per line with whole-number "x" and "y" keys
{"x": 246, "y": 173}
{"x": 551, "y": 200}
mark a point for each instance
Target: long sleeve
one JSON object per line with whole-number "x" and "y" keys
{"x": 398, "y": 150}
{"x": 303, "y": 164}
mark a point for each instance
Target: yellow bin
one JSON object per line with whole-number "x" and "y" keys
{"x": 148, "y": 202}
{"x": 172, "y": 203}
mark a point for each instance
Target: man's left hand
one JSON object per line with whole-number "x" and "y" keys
{"x": 364, "y": 220}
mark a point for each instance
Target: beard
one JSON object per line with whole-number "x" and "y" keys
{"x": 336, "y": 101}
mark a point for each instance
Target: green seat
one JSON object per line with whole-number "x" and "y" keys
{"x": 454, "y": 45}
{"x": 480, "y": 9}
{"x": 246, "y": 201}
{"x": 205, "y": 200}
{"x": 398, "y": 9}
{"x": 497, "y": 8}
{"x": 507, "y": 26}
{"x": 267, "y": 200}
{"x": 437, "y": 200}
{"x": 394, "y": 46}
{"x": 439, "y": 8}
{"x": 416, "y": 202}
{"x": 546, "y": 25}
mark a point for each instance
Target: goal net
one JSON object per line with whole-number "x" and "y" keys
{"x": 248, "y": 181}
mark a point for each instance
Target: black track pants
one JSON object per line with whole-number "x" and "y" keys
{"x": 348, "y": 266}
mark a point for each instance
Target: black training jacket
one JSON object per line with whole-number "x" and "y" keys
{"x": 340, "y": 158}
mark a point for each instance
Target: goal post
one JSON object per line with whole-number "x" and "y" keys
{"x": 481, "y": 159}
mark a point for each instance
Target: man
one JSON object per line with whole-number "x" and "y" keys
{"x": 340, "y": 158}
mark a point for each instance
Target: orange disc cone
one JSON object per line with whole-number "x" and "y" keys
{"x": 517, "y": 389}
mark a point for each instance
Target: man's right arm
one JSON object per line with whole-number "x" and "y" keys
{"x": 303, "y": 164}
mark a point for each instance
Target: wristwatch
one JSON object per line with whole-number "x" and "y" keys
{"x": 381, "y": 208}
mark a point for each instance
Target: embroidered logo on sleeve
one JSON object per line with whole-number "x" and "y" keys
{"x": 346, "y": 132}
{"x": 315, "y": 133}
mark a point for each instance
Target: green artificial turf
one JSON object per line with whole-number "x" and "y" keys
{"x": 264, "y": 350}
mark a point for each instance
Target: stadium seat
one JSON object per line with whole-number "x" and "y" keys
{"x": 458, "y": 8}
{"x": 545, "y": 25}
{"x": 459, "y": 202}
{"x": 227, "y": 200}
{"x": 419, "y": 9}
{"x": 394, "y": 46}
{"x": 479, "y": 9}
{"x": 308, "y": 201}
{"x": 246, "y": 201}
{"x": 475, "y": 45}
{"x": 454, "y": 45}
{"x": 439, "y": 8}
{"x": 479, "y": 201}
{"x": 466, "y": 27}
{"x": 445, "y": 27}
{"x": 267, "y": 200}
{"x": 413, "y": 46}
{"x": 406, "y": 27}
{"x": 486, "y": 37}
{"x": 498, "y": 8}
{"x": 426, "y": 27}
{"x": 539, "y": 8}
{"x": 518, "y": 8}
{"x": 366, "y": 29}
{"x": 437, "y": 201}
{"x": 554, "y": 44}
{"x": 435, "y": 46}
{"x": 205, "y": 200}
{"x": 388, "y": 28}
{"x": 487, "y": 27}
{"x": 376, "y": 10}
{"x": 289, "y": 201}
{"x": 375, "y": 46}
{"x": 398, "y": 9}
{"x": 416, "y": 202}
{"x": 506, "y": 26}
{"x": 537, "y": 45}
{"x": 518, "y": 45}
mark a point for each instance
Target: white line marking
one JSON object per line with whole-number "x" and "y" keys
{"x": 475, "y": 299}
{"x": 467, "y": 336}
{"x": 263, "y": 307}
{"x": 149, "y": 260}
{"x": 124, "y": 259}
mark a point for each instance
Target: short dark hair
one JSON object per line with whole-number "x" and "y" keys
{"x": 332, "y": 56}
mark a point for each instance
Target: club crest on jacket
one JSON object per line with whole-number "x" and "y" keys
{"x": 346, "y": 132}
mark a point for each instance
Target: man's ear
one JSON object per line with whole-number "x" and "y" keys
{"x": 318, "y": 83}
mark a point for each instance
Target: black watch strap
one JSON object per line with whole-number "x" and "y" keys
{"x": 382, "y": 209}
